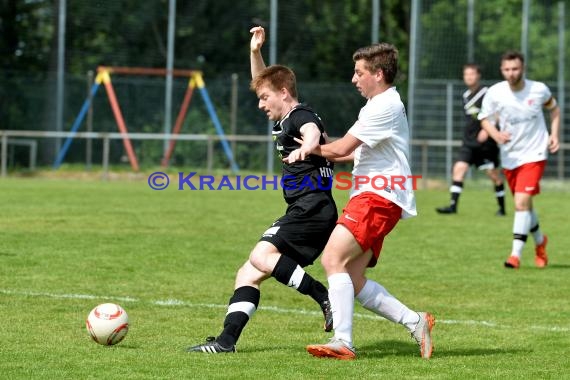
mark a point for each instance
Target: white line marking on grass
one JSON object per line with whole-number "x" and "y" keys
{"x": 483, "y": 323}
{"x": 70, "y": 296}
{"x": 275, "y": 309}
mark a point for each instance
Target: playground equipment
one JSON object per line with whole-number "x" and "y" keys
{"x": 104, "y": 77}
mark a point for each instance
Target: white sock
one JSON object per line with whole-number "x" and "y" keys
{"x": 521, "y": 227}
{"x": 536, "y": 234}
{"x": 341, "y": 296}
{"x": 376, "y": 298}
{"x": 518, "y": 246}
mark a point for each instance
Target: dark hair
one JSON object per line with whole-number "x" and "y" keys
{"x": 380, "y": 56}
{"x": 473, "y": 66}
{"x": 277, "y": 77}
{"x": 510, "y": 55}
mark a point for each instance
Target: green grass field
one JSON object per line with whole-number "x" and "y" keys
{"x": 169, "y": 258}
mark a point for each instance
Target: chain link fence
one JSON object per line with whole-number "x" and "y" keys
{"x": 443, "y": 35}
{"x": 446, "y": 41}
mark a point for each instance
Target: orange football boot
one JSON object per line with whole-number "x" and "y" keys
{"x": 513, "y": 262}
{"x": 541, "y": 259}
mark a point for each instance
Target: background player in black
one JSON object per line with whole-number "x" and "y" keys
{"x": 296, "y": 239}
{"x": 477, "y": 149}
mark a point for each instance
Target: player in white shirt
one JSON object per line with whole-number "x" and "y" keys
{"x": 379, "y": 140}
{"x": 477, "y": 149}
{"x": 518, "y": 104}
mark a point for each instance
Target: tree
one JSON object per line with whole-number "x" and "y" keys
{"x": 497, "y": 29}
{"x": 26, "y": 30}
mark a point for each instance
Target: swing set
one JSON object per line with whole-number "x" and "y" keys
{"x": 195, "y": 80}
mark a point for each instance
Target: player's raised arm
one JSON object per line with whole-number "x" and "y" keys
{"x": 256, "y": 59}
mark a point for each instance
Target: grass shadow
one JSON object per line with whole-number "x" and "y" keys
{"x": 550, "y": 266}
{"x": 398, "y": 348}
{"x": 556, "y": 266}
{"x": 480, "y": 352}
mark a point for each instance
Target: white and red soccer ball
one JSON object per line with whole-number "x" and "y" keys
{"x": 107, "y": 324}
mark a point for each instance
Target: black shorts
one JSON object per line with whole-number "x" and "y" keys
{"x": 483, "y": 157}
{"x": 304, "y": 230}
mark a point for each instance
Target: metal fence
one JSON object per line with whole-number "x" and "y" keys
{"x": 443, "y": 35}
{"x": 209, "y": 159}
{"x": 446, "y": 35}
{"x": 439, "y": 116}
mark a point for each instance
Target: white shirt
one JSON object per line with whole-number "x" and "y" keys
{"x": 382, "y": 126}
{"x": 520, "y": 114}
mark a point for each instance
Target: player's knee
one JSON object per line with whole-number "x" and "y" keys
{"x": 256, "y": 259}
{"x": 261, "y": 261}
{"x": 331, "y": 263}
{"x": 457, "y": 166}
{"x": 522, "y": 203}
{"x": 522, "y": 206}
{"x": 247, "y": 275}
{"x": 459, "y": 170}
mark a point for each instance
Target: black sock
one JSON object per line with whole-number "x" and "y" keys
{"x": 238, "y": 315}
{"x": 500, "y": 194}
{"x": 288, "y": 272}
{"x": 456, "y": 189}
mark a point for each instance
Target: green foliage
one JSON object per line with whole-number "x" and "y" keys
{"x": 26, "y": 35}
{"x": 498, "y": 25}
{"x": 315, "y": 37}
{"x": 68, "y": 245}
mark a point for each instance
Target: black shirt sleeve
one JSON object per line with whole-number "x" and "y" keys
{"x": 300, "y": 118}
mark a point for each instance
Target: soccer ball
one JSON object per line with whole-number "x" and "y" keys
{"x": 107, "y": 324}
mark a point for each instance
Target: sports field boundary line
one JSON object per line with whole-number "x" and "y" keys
{"x": 275, "y": 309}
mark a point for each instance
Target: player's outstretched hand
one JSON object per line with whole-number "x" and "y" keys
{"x": 553, "y": 144}
{"x": 257, "y": 38}
{"x": 296, "y": 155}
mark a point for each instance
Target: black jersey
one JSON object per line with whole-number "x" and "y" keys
{"x": 472, "y": 101}
{"x": 314, "y": 173}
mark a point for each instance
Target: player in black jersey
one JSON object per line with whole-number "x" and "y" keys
{"x": 296, "y": 239}
{"x": 477, "y": 149}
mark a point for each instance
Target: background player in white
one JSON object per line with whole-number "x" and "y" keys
{"x": 477, "y": 148}
{"x": 524, "y": 141}
{"x": 379, "y": 140}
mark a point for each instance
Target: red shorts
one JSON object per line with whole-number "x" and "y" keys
{"x": 369, "y": 218}
{"x": 525, "y": 178}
